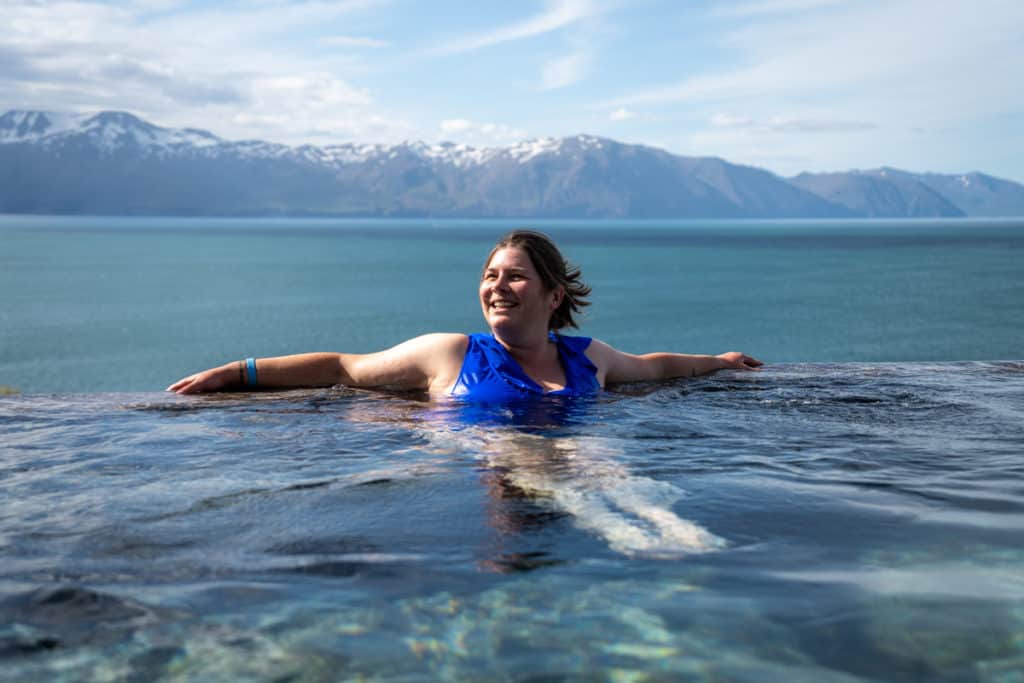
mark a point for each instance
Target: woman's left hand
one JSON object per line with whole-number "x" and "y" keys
{"x": 734, "y": 360}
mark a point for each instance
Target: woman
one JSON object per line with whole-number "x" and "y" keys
{"x": 527, "y": 293}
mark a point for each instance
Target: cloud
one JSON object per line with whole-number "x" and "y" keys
{"x": 480, "y": 134}
{"x": 762, "y": 8}
{"x": 314, "y": 106}
{"x": 15, "y": 65}
{"x": 317, "y": 89}
{"x": 233, "y": 66}
{"x": 824, "y": 56}
{"x": 819, "y": 126}
{"x": 730, "y": 121}
{"x": 621, "y": 114}
{"x": 846, "y": 84}
{"x": 456, "y": 125}
{"x": 240, "y": 24}
{"x": 780, "y": 124}
{"x": 560, "y": 13}
{"x": 564, "y": 71}
{"x": 354, "y": 41}
{"x": 177, "y": 87}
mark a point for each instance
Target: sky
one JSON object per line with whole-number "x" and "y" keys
{"x": 786, "y": 85}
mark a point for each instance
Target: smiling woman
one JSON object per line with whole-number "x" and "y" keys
{"x": 528, "y": 292}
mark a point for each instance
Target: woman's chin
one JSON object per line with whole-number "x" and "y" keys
{"x": 500, "y": 322}
{"x": 497, "y": 322}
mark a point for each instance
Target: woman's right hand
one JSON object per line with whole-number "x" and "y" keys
{"x": 213, "y": 379}
{"x": 735, "y": 360}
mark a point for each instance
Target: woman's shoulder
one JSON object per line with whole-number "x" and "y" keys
{"x": 576, "y": 344}
{"x": 600, "y": 353}
{"x": 433, "y": 345}
{"x": 440, "y": 356}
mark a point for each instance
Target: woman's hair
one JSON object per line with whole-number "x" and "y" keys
{"x": 554, "y": 271}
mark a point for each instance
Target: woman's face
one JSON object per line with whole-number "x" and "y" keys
{"x": 512, "y": 293}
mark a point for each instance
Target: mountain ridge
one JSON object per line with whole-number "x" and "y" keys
{"x": 115, "y": 162}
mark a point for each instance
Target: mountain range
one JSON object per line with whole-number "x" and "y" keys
{"x": 116, "y": 163}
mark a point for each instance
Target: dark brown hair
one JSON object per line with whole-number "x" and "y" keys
{"x": 554, "y": 272}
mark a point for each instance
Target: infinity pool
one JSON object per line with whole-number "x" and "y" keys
{"x": 807, "y": 523}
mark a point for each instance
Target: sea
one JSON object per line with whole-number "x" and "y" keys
{"x": 852, "y": 512}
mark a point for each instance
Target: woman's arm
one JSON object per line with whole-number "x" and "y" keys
{"x": 424, "y": 362}
{"x": 615, "y": 366}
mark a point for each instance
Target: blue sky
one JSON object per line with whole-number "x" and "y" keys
{"x": 787, "y": 85}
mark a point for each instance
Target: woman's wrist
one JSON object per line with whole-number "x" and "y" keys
{"x": 251, "y": 378}
{"x": 244, "y": 372}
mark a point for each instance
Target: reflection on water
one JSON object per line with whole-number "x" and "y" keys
{"x": 818, "y": 523}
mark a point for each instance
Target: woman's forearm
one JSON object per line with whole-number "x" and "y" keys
{"x": 302, "y": 370}
{"x": 626, "y": 367}
{"x": 672, "y": 365}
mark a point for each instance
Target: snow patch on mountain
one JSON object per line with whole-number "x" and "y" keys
{"x": 110, "y": 131}
{"x": 107, "y": 130}
{"x": 29, "y": 126}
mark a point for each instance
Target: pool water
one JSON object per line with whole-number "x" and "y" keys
{"x": 811, "y": 522}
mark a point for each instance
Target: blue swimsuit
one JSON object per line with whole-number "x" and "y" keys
{"x": 490, "y": 374}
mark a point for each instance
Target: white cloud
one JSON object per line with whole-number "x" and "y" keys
{"x": 772, "y": 7}
{"x": 621, "y": 114}
{"x": 865, "y": 74}
{"x": 480, "y": 134}
{"x": 227, "y": 68}
{"x": 864, "y": 53}
{"x": 354, "y": 41}
{"x": 559, "y": 14}
{"x": 317, "y": 89}
{"x": 564, "y": 71}
{"x": 784, "y": 124}
{"x": 456, "y": 125}
{"x": 731, "y": 121}
{"x": 802, "y": 125}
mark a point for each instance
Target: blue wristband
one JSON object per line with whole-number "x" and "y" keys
{"x": 250, "y": 371}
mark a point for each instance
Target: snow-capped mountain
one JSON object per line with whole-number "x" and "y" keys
{"x": 108, "y": 130}
{"x": 115, "y": 162}
{"x": 112, "y": 131}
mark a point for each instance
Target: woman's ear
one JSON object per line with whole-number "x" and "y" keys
{"x": 557, "y": 296}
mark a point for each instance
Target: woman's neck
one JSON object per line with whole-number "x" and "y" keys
{"x": 531, "y": 349}
{"x": 538, "y": 357}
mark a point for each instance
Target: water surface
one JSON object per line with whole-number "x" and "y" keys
{"x": 812, "y": 522}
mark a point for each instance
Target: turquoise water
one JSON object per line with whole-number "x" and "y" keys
{"x": 813, "y": 522}
{"x": 130, "y": 304}
{"x": 838, "y": 517}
